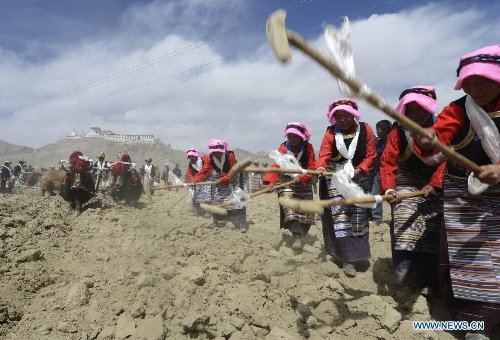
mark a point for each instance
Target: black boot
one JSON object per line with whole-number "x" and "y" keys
{"x": 243, "y": 227}
{"x": 297, "y": 241}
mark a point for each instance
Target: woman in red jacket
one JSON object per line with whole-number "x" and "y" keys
{"x": 469, "y": 260}
{"x": 415, "y": 221}
{"x": 219, "y": 163}
{"x": 201, "y": 193}
{"x": 298, "y": 146}
{"x": 347, "y": 142}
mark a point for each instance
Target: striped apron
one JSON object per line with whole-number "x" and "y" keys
{"x": 473, "y": 234}
{"x": 295, "y": 191}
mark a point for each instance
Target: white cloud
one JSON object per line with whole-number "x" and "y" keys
{"x": 245, "y": 100}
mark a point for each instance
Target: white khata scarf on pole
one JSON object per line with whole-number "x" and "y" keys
{"x": 287, "y": 161}
{"x": 489, "y": 136}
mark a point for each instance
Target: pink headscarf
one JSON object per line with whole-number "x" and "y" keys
{"x": 217, "y": 145}
{"x": 193, "y": 152}
{"x": 298, "y": 129}
{"x": 484, "y": 62}
{"x": 346, "y": 104}
{"x": 424, "y": 96}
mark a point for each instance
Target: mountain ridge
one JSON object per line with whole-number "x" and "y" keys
{"x": 51, "y": 154}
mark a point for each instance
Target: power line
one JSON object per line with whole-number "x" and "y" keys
{"x": 152, "y": 62}
{"x": 184, "y": 71}
{"x": 354, "y": 14}
{"x": 141, "y": 85}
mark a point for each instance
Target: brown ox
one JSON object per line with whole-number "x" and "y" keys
{"x": 51, "y": 180}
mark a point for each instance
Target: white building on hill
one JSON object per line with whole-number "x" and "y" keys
{"x": 96, "y": 132}
{"x": 73, "y": 135}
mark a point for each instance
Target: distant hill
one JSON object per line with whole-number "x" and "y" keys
{"x": 51, "y": 154}
{"x": 7, "y": 150}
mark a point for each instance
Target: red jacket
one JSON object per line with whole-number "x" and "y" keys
{"x": 389, "y": 164}
{"x": 449, "y": 122}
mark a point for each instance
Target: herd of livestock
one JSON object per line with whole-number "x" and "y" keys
{"x": 79, "y": 187}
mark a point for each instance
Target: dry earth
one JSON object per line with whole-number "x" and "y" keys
{"x": 157, "y": 272}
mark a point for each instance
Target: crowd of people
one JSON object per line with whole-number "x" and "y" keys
{"x": 444, "y": 238}
{"x": 9, "y": 175}
{"x": 100, "y": 168}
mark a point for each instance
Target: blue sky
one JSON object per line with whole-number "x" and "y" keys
{"x": 192, "y": 70}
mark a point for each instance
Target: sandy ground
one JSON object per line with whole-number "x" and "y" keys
{"x": 158, "y": 272}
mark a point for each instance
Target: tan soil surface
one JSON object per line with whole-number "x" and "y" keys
{"x": 158, "y": 272}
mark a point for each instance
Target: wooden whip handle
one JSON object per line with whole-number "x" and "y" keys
{"x": 286, "y": 171}
{"x": 369, "y": 199}
{"x": 264, "y": 191}
{"x": 257, "y": 193}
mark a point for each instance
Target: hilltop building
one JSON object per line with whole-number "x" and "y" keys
{"x": 73, "y": 135}
{"x": 96, "y": 132}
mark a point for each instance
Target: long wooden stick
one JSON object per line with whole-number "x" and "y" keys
{"x": 265, "y": 190}
{"x": 99, "y": 175}
{"x": 148, "y": 189}
{"x": 219, "y": 208}
{"x": 311, "y": 206}
{"x": 280, "y": 39}
{"x": 173, "y": 205}
{"x": 239, "y": 167}
{"x": 180, "y": 199}
{"x": 181, "y": 185}
{"x": 286, "y": 171}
